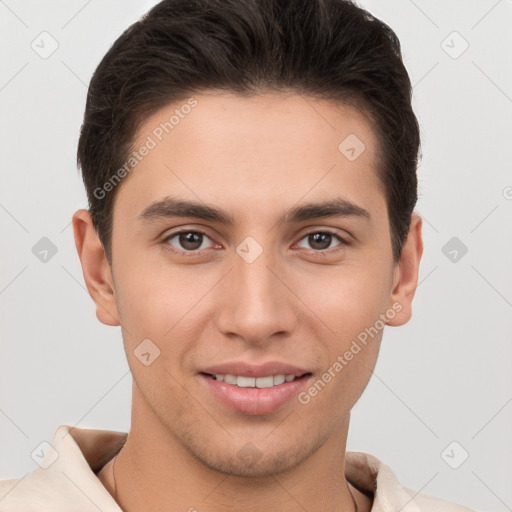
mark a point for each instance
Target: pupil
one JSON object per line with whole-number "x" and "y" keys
{"x": 190, "y": 240}
{"x": 323, "y": 238}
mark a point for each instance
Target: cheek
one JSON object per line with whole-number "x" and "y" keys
{"x": 152, "y": 297}
{"x": 348, "y": 298}
{"x": 349, "y": 306}
{"x": 170, "y": 308}
{"x": 343, "y": 382}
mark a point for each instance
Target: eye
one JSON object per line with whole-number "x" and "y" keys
{"x": 188, "y": 241}
{"x": 192, "y": 242}
{"x": 321, "y": 240}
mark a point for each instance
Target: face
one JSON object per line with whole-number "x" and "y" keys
{"x": 271, "y": 258}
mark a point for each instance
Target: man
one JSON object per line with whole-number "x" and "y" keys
{"x": 224, "y": 144}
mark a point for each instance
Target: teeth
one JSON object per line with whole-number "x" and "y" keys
{"x": 253, "y": 382}
{"x": 279, "y": 379}
{"x": 245, "y": 382}
{"x": 265, "y": 382}
{"x": 229, "y": 379}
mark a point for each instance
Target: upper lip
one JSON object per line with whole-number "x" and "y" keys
{"x": 242, "y": 369}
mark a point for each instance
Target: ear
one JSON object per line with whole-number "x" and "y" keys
{"x": 406, "y": 274}
{"x": 96, "y": 270}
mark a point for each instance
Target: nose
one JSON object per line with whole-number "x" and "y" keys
{"x": 257, "y": 303}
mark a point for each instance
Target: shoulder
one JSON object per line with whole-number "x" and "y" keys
{"x": 22, "y": 494}
{"x": 427, "y": 503}
{"x": 6, "y": 486}
{"x": 65, "y": 478}
{"x": 370, "y": 475}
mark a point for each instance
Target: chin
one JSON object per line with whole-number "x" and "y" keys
{"x": 265, "y": 466}
{"x": 251, "y": 461}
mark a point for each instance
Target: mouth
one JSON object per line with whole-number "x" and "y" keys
{"x": 254, "y": 395}
{"x": 268, "y": 381}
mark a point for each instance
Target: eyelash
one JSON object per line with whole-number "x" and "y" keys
{"x": 323, "y": 252}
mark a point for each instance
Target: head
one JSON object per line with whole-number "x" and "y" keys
{"x": 254, "y": 111}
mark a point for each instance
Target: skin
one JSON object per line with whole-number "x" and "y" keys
{"x": 255, "y": 158}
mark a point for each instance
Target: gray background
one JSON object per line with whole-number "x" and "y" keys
{"x": 444, "y": 377}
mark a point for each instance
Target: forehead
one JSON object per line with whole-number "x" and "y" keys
{"x": 222, "y": 147}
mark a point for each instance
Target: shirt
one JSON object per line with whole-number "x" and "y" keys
{"x": 66, "y": 480}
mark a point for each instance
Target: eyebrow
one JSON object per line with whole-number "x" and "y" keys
{"x": 170, "y": 207}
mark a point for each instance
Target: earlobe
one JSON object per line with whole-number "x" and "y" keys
{"x": 406, "y": 279}
{"x": 96, "y": 270}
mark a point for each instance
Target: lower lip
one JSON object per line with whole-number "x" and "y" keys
{"x": 255, "y": 400}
